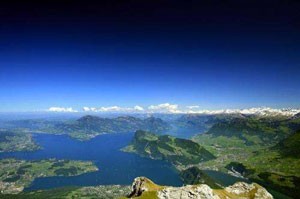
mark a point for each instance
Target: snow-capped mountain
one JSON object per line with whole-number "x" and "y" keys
{"x": 264, "y": 111}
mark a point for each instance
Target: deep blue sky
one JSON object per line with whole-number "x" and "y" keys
{"x": 214, "y": 55}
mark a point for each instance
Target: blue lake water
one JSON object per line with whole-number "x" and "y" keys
{"x": 115, "y": 166}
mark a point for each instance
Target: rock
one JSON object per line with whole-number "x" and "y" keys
{"x": 139, "y": 185}
{"x": 242, "y": 188}
{"x": 262, "y": 193}
{"x": 187, "y": 192}
{"x": 239, "y": 190}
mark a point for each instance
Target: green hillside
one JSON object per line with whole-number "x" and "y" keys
{"x": 175, "y": 150}
{"x": 16, "y": 141}
{"x": 16, "y": 174}
{"x": 256, "y": 130}
{"x": 263, "y": 149}
{"x": 290, "y": 147}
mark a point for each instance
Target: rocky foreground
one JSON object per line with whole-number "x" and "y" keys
{"x": 143, "y": 188}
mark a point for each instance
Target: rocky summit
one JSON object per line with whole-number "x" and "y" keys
{"x": 144, "y": 188}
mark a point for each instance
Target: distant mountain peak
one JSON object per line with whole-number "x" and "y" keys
{"x": 88, "y": 118}
{"x": 262, "y": 111}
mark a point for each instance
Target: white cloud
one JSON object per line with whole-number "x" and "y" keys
{"x": 174, "y": 108}
{"x": 164, "y": 108}
{"x": 160, "y": 108}
{"x": 62, "y": 109}
{"x": 114, "y": 109}
{"x": 86, "y": 108}
{"x": 193, "y": 107}
{"x": 93, "y": 109}
{"x": 138, "y": 108}
{"x": 110, "y": 109}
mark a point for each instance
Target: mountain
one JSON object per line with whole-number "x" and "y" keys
{"x": 155, "y": 125}
{"x": 265, "y": 129}
{"x": 192, "y": 123}
{"x": 144, "y": 188}
{"x": 207, "y": 118}
{"x": 90, "y": 126}
{"x": 188, "y": 125}
{"x": 32, "y": 125}
{"x": 261, "y": 111}
{"x": 262, "y": 149}
{"x": 290, "y": 147}
{"x": 296, "y": 116}
{"x": 175, "y": 150}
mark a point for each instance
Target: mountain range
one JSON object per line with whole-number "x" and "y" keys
{"x": 89, "y": 126}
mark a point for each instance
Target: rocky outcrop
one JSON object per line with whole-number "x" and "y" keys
{"x": 142, "y": 187}
{"x": 138, "y": 187}
{"x": 142, "y": 184}
{"x": 255, "y": 190}
{"x": 189, "y": 192}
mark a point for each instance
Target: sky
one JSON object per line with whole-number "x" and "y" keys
{"x": 148, "y": 53}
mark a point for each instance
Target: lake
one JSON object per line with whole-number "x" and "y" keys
{"x": 115, "y": 166}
